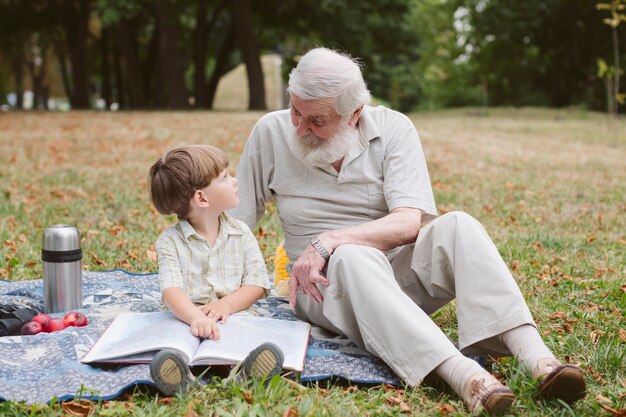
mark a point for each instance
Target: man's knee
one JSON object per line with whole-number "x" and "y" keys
{"x": 458, "y": 220}
{"x": 349, "y": 253}
{"x": 347, "y": 262}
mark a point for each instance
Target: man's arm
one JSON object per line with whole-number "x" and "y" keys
{"x": 399, "y": 227}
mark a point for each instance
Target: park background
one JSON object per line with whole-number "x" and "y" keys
{"x": 517, "y": 104}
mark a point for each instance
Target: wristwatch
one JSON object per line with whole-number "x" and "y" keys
{"x": 317, "y": 245}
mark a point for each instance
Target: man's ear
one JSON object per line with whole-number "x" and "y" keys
{"x": 356, "y": 115}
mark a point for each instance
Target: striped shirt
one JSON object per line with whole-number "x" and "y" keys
{"x": 207, "y": 273}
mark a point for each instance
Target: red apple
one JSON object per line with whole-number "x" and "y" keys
{"x": 55, "y": 325}
{"x": 42, "y": 319}
{"x": 31, "y": 327}
{"x": 76, "y": 319}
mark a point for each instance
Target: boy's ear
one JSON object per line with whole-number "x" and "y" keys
{"x": 200, "y": 199}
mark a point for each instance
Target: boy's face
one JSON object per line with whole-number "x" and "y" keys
{"x": 221, "y": 193}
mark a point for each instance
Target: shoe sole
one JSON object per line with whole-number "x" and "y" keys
{"x": 566, "y": 383}
{"x": 170, "y": 372}
{"x": 499, "y": 401}
{"x": 265, "y": 361}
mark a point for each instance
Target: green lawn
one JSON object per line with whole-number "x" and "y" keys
{"x": 549, "y": 186}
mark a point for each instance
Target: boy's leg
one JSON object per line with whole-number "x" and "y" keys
{"x": 170, "y": 372}
{"x": 264, "y": 361}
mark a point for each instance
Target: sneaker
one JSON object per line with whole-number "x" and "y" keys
{"x": 170, "y": 372}
{"x": 557, "y": 380}
{"x": 263, "y": 362}
{"x": 485, "y": 394}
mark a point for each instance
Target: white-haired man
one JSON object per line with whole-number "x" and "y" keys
{"x": 352, "y": 189}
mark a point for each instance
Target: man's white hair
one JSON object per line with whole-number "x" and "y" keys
{"x": 326, "y": 74}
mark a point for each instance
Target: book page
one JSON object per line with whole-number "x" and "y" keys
{"x": 133, "y": 333}
{"x": 242, "y": 333}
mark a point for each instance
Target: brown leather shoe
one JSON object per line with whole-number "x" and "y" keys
{"x": 557, "y": 380}
{"x": 485, "y": 394}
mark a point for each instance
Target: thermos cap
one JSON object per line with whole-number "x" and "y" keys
{"x": 61, "y": 237}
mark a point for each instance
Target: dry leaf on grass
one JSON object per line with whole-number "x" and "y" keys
{"x": 616, "y": 413}
{"x": 81, "y": 408}
{"x": 290, "y": 412}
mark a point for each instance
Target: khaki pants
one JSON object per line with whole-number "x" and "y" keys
{"x": 382, "y": 301}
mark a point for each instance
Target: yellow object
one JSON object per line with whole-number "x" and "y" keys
{"x": 281, "y": 276}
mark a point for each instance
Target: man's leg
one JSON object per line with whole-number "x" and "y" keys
{"x": 454, "y": 257}
{"x": 365, "y": 303}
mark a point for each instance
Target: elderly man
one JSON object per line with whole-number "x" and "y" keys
{"x": 353, "y": 193}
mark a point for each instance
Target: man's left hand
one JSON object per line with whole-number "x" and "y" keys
{"x": 307, "y": 273}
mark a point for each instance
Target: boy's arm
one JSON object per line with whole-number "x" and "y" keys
{"x": 182, "y": 307}
{"x": 236, "y": 301}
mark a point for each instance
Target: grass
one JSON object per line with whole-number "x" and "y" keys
{"x": 548, "y": 185}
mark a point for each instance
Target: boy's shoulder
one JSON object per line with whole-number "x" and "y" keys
{"x": 172, "y": 233}
{"x": 234, "y": 225}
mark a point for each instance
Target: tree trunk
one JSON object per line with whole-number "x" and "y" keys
{"x": 59, "y": 50}
{"x": 151, "y": 71}
{"x": 18, "y": 75}
{"x": 617, "y": 72}
{"x": 119, "y": 78}
{"x": 127, "y": 43}
{"x": 201, "y": 34}
{"x": 250, "y": 53}
{"x": 199, "y": 53}
{"x": 105, "y": 94}
{"x": 171, "y": 59}
{"x": 75, "y": 18}
{"x": 221, "y": 65}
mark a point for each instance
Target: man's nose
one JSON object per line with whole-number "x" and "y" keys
{"x": 303, "y": 127}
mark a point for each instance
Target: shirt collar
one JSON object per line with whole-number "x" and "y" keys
{"x": 367, "y": 126}
{"x": 228, "y": 226}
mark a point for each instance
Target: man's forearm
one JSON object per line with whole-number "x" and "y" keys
{"x": 400, "y": 227}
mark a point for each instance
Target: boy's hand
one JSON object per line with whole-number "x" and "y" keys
{"x": 205, "y": 327}
{"x": 217, "y": 310}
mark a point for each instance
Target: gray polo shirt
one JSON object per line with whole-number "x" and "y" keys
{"x": 387, "y": 172}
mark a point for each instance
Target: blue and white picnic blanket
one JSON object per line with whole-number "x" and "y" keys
{"x": 40, "y": 368}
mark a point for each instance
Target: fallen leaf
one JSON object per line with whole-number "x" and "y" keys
{"x": 152, "y": 255}
{"x": 446, "y": 409}
{"x": 247, "y": 395}
{"x": 595, "y": 335}
{"x": 190, "y": 407}
{"x": 290, "y": 412}
{"x": 616, "y": 413}
{"x": 78, "y": 407}
{"x": 622, "y": 335}
{"x": 165, "y": 400}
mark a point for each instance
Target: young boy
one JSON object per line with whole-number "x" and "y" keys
{"x": 210, "y": 265}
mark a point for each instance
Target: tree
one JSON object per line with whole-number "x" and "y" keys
{"x": 250, "y": 52}
{"x": 613, "y": 73}
{"x": 74, "y": 18}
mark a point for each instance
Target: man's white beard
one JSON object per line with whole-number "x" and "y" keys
{"x": 319, "y": 152}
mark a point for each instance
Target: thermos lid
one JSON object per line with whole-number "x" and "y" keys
{"x": 61, "y": 237}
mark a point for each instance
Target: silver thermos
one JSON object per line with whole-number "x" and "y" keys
{"x": 62, "y": 273}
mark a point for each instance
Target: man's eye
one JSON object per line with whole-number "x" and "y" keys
{"x": 319, "y": 123}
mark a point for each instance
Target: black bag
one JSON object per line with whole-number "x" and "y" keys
{"x": 12, "y": 317}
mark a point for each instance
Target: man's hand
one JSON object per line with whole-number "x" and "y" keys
{"x": 306, "y": 273}
{"x": 205, "y": 327}
{"x": 217, "y": 310}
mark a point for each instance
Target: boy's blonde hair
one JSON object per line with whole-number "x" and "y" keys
{"x": 176, "y": 176}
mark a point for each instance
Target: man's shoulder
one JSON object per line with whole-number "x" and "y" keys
{"x": 382, "y": 115}
{"x": 275, "y": 119}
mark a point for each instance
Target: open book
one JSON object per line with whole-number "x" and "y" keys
{"x": 137, "y": 337}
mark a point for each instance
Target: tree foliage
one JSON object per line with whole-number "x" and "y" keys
{"x": 415, "y": 53}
